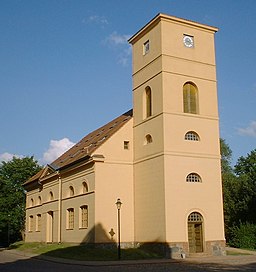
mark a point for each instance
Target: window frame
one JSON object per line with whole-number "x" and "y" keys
{"x": 38, "y": 222}
{"x": 31, "y": 223}
{"x": 85, "y": 187}
{"x": 126, "y": 145}
{"x": 84, "y": 217}
{"x": 70, "y": 219}
{"x": 192, "y": 136}
{"x": 148, "y": 102}
{"x": 71, "y": 191}
{"x": 146, "y": 47}
{"x": 190, "y": 98}
{"x": 193, "y": 178}
{"x": 148, "y": 139}
{"x": 51, "y": 197}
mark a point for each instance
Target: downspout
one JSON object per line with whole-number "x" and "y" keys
{"x": 59, "y": 208}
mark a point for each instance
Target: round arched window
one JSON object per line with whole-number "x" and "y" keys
{"x": 195, "y": 217}
{"x": 192, "y": 136}
{"x": 148, "y": 139}
{"x": 85, "y": 187}
{"x": 71, "y": 191}
{"x": 51, "y": 195}
{"x": 193, "y": 177}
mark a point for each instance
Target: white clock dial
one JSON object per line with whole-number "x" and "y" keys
{"x": 188, "y": 41}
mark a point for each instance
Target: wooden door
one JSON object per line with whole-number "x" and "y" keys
{"x": 195, "y": 237}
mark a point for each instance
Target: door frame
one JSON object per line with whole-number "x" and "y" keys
{"x": 195, "y": 219}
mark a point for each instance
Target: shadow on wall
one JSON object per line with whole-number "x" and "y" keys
{"x": 102, "y": 236}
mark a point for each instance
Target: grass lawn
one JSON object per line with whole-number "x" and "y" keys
{"x": 239, "y": 251}
{"x": 84, "y": 252}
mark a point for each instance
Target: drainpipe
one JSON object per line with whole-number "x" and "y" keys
{"x": 59, "y": 208}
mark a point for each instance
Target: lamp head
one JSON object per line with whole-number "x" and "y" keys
{"x": 118, "y": 204}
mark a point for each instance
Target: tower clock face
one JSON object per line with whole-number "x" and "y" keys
{"x": 188, "y": 41}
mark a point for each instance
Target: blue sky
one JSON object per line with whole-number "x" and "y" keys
{"x": 66, "y": 68}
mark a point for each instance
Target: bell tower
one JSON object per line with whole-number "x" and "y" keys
{"x": 177, "y": 174}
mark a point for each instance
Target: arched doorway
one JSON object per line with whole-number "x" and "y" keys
{"x": 195, "y": 232}
{"x": 49, "y": 227}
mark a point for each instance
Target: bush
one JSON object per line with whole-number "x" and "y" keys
{"x": 243, "y": 236}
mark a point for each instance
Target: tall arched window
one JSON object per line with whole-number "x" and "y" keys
{"x": 39, "y": 200}
{"x": 31, "y": 202}
{"x": 85, "y": 187}
{"x": 51, "y": 195}
{"x": 71, "y": 191}
{"x": 190, "y": 98}
{"x": 148, "y": 102}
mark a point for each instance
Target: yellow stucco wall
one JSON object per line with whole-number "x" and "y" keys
{"x": 161, "y": 167}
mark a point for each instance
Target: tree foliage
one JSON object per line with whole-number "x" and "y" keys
{"x": 239, "y": 192}
{"x": 12, "y": 195}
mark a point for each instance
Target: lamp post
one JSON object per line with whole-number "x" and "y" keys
{"x": 118, "y": 205}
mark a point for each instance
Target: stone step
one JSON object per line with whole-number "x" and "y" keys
{"x": 200, "y": 254}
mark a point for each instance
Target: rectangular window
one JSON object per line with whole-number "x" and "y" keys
{"x": 126, "y": 145}
{"x": 30, "y": 223}
{"x": 146, "y": 47}
{"x": 38, "y": 222}
{"x": 70, "y": 218}
{"x": 84, "y": 216}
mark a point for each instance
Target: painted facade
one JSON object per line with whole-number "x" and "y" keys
{"x": 162, "y": 159}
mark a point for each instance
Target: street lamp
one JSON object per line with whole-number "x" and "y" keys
{"x": 118, "y": 205}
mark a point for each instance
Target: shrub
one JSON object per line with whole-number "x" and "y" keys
{"x": 243, "y": 236}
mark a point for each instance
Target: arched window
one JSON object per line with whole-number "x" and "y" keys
{"x": 193, "y": 177}
{"x": 31, "y": 223}
{"x": 71, "y": 191}
{"x": 31, "y": 202}
{"x": 190, "y": 98}
{"x": 51, "y": 195}
{"x": 39, "y": 200}
{"x": 148, "y": 139}
{"x": 148, "y": 102}
{"x": 195, "y": 217}
{"x": 85, "y": 187}
{"x": 192, "y": 136}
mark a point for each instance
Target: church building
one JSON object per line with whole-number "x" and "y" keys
{"x": 161, "y": 159}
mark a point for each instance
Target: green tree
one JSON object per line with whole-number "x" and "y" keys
{"x": 12, "y": 195}
{"x": 245, "y": 169}
{"x": 246, "y": 166}
{"x": 229, "y": 185}
{"x": 226, "y": 157}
